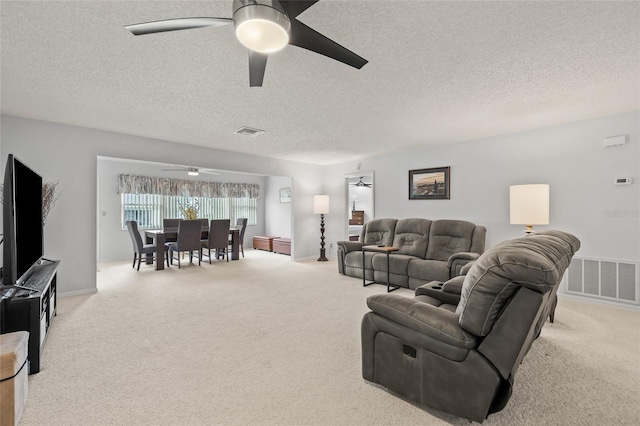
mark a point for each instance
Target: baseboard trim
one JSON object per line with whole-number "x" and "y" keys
{"x": 597, "y": 301}
{"x": 77, "y": 292}
{"x": 303, "y": 259}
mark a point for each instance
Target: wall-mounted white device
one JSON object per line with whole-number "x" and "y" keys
{"x": 615, "y": 140}
{"x": 623, "y": 181}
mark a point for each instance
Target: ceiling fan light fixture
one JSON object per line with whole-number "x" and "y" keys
{"x": 262, "y": 28}
{"x": 192, "y": 171}
{"x": 361, "y": 184}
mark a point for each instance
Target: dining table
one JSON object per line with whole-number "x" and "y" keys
{"x": 160, "y": 236}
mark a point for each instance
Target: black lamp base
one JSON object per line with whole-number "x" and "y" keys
{"x": 322, "y": 257}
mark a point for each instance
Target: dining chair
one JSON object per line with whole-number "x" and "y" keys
{"x": 139, "y": 248}
{"x": 242, "y": 224}
{"x": 205, "y": 227}
{"x": 189, "y": 234}
{"x": 170, "y": 225}
{"x": 170, "y": 228}
{"x": 218, "y": 238}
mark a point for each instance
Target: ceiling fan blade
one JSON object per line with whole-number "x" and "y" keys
{"x": 176, "y": 25}
{"x": 257, "y": 65}
{"x": 308, "y": 38}
{"x": 296, "y": 7}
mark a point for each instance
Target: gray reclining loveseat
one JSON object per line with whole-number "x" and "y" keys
{"x": 461, "y": 358}
{"x": 428, "y": 250}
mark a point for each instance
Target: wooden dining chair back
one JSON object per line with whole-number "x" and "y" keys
{"x": 170, "y": 225}
{"x": 139, "y": 248}
{"x": 218, "y": 238}
{"x": 242, "y": 224}
{"x": 170, "y": 228}
{"x": 189, "y": 234}
{"x": 205, "y": 227}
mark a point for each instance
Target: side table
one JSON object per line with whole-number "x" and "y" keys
{"x": 379, "y": 249}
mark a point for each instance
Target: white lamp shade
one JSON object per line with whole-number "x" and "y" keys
{"x": 529, "y": 204}
{"x": 321, "y": 204}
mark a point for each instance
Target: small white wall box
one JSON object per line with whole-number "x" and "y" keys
{"x": 623, "y": 181}
{"x": 615, "y": 140}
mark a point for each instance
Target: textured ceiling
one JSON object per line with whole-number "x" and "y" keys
{"x": 438, "y": 72}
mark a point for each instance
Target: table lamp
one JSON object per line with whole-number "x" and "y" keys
{"x": 529, "y": 205}
{"x": 321, "y": 207}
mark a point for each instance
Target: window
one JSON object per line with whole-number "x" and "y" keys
{"x": 143, "y": 208}
{"x": 149, "y": 210}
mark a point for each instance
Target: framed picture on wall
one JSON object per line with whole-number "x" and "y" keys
{"x": 429, "y": 184}
{"x": 285, "y": 195}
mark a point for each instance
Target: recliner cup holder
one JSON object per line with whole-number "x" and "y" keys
{"x": 437, "y": 287}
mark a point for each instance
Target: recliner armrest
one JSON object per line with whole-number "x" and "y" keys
{"x": 448, "y": 292}
{"x": 454, "y": 285}
{"x": 348, "y": 246}
{"x": 465, "y": 269}
{"x": 462, "y": 256}
{"x": 439, "y": 324}
{"x": 457, "y": 260}
{"x": 425, "y": 289}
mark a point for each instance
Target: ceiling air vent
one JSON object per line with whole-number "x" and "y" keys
{"x": 249, "y": 131}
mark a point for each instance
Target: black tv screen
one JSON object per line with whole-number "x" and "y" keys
{"x": 23, "y": 239}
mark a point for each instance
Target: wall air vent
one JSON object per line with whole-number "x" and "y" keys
{"x": 249, "y": 131}
{"x": 612, "y": 280}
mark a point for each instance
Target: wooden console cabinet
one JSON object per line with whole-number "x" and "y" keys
{"x": 33, "y": 310}
{"x": 357, "y": 217}
{"x": 282, "y": 245}
{"x": 263, "y": 242}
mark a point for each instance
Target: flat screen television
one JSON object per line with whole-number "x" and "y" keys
{"x": 22, "y": 216}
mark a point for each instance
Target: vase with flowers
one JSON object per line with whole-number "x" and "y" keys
{"x": 190, "y": 209}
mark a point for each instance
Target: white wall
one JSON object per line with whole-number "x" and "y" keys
{"x": 277, "y": 215}
{"x": 113, "y": 242}
{"x": 570, "y": 157}
{"x": 69, "y": 155}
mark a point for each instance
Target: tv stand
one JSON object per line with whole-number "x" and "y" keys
{"x": 23, "y": 287}
{"x": 32, "y": 308}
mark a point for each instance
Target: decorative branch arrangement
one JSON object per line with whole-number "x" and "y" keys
{"x": 49, "y": 197}
{"x": 190, "y": 209}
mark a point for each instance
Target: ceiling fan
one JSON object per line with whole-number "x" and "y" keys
{"x": 263, "y": 26}
{"x": 191, "y": 171}
{"x": 361, "y": 184}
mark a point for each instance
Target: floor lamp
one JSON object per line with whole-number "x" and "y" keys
{"x": 529, "y": 205}
{"x": 321, "y": 207}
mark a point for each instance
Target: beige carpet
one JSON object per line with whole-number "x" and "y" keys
{"x": 268, "y": 341}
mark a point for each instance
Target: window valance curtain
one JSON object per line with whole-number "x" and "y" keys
{"x": 132, "y": 184}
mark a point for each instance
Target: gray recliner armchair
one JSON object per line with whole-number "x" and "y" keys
{"x": 459, "y": 353}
